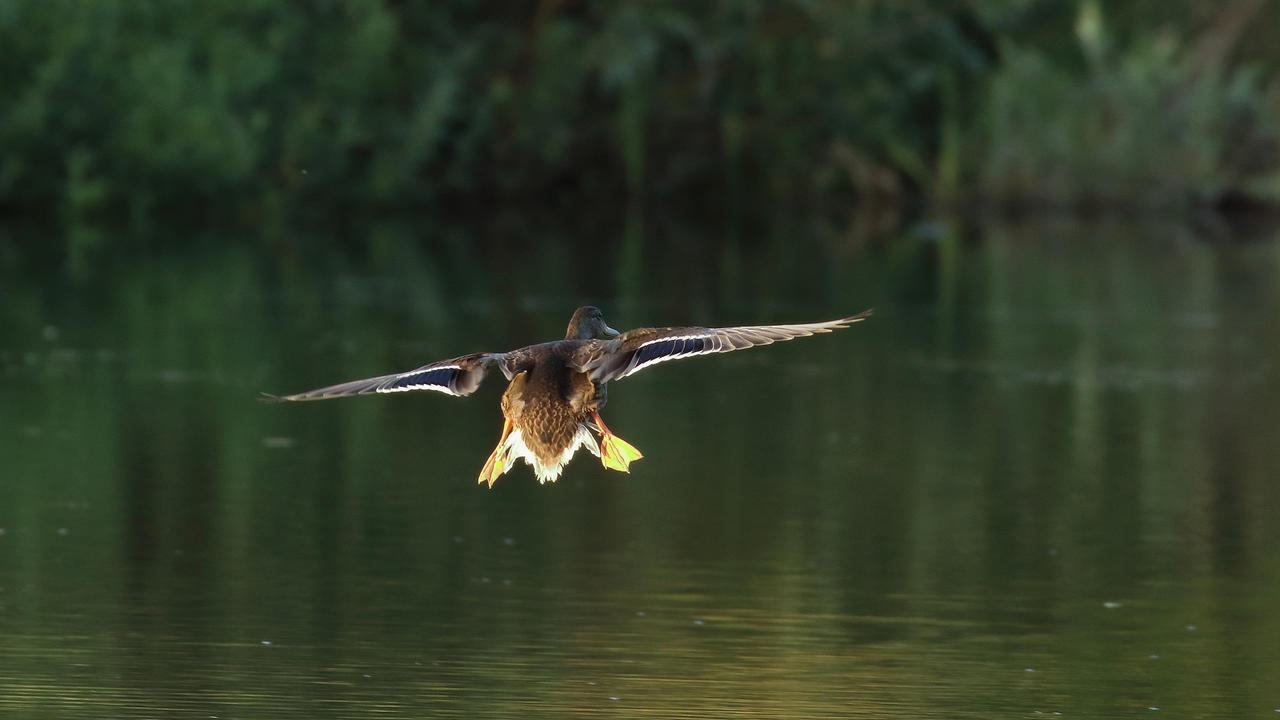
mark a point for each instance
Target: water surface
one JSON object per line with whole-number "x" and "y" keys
{"x": 1040, "y": 480}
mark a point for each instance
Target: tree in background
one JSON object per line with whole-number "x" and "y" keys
{"x": 131, "y": 108}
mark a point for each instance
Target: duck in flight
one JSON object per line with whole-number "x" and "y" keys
{"x": 556, "y": 389}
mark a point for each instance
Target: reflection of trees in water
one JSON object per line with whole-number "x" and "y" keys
{"x": 1040, "y": 419}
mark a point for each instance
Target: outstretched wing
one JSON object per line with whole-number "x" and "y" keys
{"x": 636, "y": 350}
{"x": 459, "y": 376}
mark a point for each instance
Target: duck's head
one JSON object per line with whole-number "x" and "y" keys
{"x": 588, "y": 324}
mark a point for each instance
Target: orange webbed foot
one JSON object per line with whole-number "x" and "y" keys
{"x": 615, "y": 453}
{"x": 498, "y": 462}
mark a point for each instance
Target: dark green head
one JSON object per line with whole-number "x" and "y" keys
{"x": 588, "y": 324}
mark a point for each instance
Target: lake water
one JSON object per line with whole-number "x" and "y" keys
{"x": 1041, "y": 480}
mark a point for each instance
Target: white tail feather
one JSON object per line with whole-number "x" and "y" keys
{"x": 514, "y": 446}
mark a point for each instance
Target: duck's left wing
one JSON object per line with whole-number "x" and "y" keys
{"x": 457, "y": 376}
{"x": 636, "y": 350}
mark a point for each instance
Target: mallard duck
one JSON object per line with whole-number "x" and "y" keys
{"x": 551, "y": 407}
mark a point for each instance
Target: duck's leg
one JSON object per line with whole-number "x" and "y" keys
{"x": 615, "y": 453}
{"x": 497, "y": 462}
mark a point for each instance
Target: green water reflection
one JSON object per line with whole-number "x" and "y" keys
{"x": 1041, "y": 479}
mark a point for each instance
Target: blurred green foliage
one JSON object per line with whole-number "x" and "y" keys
{"x": 128, "y": 108}
{"x": 1161, "y": 121}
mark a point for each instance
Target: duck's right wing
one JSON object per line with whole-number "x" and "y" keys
{"x": 458, "y": 376}
{"x": 636, "y": 350}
